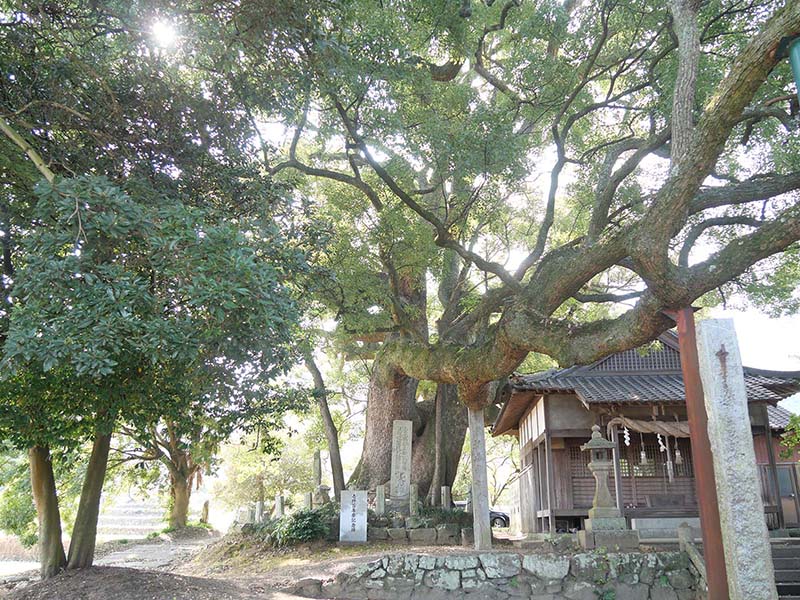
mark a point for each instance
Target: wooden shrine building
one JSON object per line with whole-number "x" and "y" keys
{"x": 637, "y": 398}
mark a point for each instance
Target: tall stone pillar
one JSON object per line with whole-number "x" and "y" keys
{"x": 480, "y": 486}
{"x": 744, "y": 531}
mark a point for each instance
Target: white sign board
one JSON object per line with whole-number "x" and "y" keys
{"x": 353, "y": 516}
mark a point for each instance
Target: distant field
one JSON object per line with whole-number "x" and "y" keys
{"x": 11, "y": 549}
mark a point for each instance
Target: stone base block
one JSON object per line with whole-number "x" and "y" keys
{"x": 377, "y": 533}
{"x": 611, "y": 540}
{"x": 604, "y": 513}
{"x": 398, "y": 522}
{"x": 423, "y": 535}
{"x": 666, "y": 527}
{"x": 397, "y": 534}
{"x": 447, "y": 534}
{"x": 605, "y": 524}
{"x": 398, "y": 505}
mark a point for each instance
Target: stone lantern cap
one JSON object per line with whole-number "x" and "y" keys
{"x": 598, "y": 442}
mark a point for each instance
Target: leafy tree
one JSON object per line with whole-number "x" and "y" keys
{"x": 185, "y": 436}
{"x": 252, "y": 473}
{"x": 140, "y": 298}
{"x": 165, "y": 311}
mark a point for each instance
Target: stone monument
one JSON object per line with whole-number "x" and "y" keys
{"x": 605, "y": 527}
{"x": 321, "y": 492}
{"x": 353, "y": 516}
{"x": 400, "y": 485}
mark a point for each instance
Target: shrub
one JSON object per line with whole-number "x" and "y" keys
{"x": 442, "y": 515}
{"x": 297, "y": 528}
{"x": 17, "y": 511}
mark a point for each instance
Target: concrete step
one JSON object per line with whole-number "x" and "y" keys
{"x": 784, "y": 576}
{"x": 785, "y": 552}
{"x": 788, "y": 589}
{"x": 786, "y": 564}
{"x": 132, "y": 518}
{"x": 134, "y": 513}
{"x": 136, "y": 531}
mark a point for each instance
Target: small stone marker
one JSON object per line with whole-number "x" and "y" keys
{"x": 380, "y": 500}
{"x": 278, "y": 505}
{"x": 308, "y": 501}
{"x": 320, "y": 495}
{"x": 259, "y": 516}
{"x": 353, "y": 516}
{"x": 744, "y": 532}
{"x": 413, "y": 500}
{"x": 401, "y": 460}
{"x": 244, "y": 516}
{"x": 447, "y": 500}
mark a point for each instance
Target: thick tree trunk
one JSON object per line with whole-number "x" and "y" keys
{"x": 331, "y": 434}
{"x": 84, "y": 532}
{"x": 392, "y": 396}
{"x": 181, "y": 494}
{"x": 43, "y": 486}
{"x": 450, "y": 442}
{"x": 435, "y": 492}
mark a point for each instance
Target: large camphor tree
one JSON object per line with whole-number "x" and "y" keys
{"x": 531, "y": 162}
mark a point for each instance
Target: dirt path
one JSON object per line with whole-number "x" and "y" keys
{"x": 164, "y": 556}
{"x": 128, "y": 571}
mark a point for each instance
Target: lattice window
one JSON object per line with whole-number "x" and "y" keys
{"x": 579, "y": 462}
{"x": 630, "y": 460}
{"x": 657, "y": 461}
{"x": 663, "y": 359}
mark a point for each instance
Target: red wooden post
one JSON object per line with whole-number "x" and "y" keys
{"x": 705, "y": 482}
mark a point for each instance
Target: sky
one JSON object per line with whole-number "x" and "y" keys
{"x": 767, "y": 343}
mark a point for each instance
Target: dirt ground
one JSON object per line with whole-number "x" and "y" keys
{"x": 231, "y": 568}
{"x": 119, "y": 583}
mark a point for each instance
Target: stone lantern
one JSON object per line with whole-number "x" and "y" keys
{"x": 605, "y": 526}
{"x": 603, "y": 505}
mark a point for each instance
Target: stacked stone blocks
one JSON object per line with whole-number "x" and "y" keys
{"x": 506, "y": 576}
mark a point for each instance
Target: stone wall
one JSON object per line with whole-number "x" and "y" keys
{"x": 501, "y": 576}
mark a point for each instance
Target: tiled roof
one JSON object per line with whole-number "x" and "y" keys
{"x": 645, "y": 376}
{"x": 636, "y": 388}
{"x": 778, "y": 417}
{"x": 639, "y": 377}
